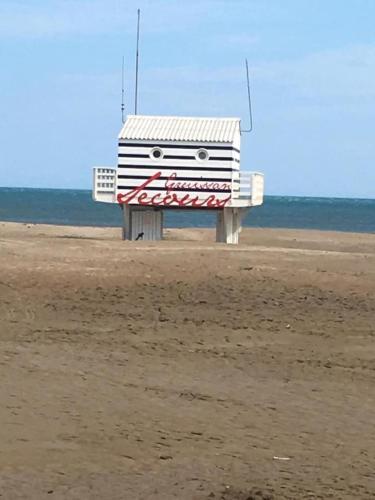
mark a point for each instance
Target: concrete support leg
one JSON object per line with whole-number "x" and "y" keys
{"x": 123, "y": 236}
{"x": 228, "y": 225}
{"x": 126, "y": 222}
{"x": 220, "y": 227}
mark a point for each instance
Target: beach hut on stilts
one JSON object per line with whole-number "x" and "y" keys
{"x": 179, "y": 163}
{"x": 185, "y": 163}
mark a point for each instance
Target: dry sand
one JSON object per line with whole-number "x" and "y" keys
{"x": 181, "y": 369}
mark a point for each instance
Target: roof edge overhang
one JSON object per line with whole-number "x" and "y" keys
{"x": 229, "y": 118}
{"x": 180, "y": 128}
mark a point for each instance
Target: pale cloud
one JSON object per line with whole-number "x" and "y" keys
{"x": 60, "y": 18}
{"x": 244, "y": 40}
{"x": 308, "y": 86}
{"x": 334, "y": 74}
{"x": 187, "y": 75}
{"x": 55, "y": 18}
{"x": 348, "y": 72}
{"x": 312, "y": 86}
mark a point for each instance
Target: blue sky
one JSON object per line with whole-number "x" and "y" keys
{"x": 312, "y": 65}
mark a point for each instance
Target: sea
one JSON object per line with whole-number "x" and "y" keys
{"x": 76, "y": 208}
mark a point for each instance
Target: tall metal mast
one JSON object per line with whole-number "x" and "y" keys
{"x": 136, "y": 67}
{"x": 123, "y": 91}
{"x": 249, "y": 99}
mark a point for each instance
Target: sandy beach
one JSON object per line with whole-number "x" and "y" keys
{"x": 186, "y": 369}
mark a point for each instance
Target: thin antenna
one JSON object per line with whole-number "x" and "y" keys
{"x": 123, "y": 91}
{"x": 249, "y": 99}
{"x": 136, "y": 67}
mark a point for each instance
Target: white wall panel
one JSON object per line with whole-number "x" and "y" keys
{"x": 221, "y": 170}
{"x": 193, "y": 164}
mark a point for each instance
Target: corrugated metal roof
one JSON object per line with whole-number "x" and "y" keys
{"x": 178, "y": 128}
